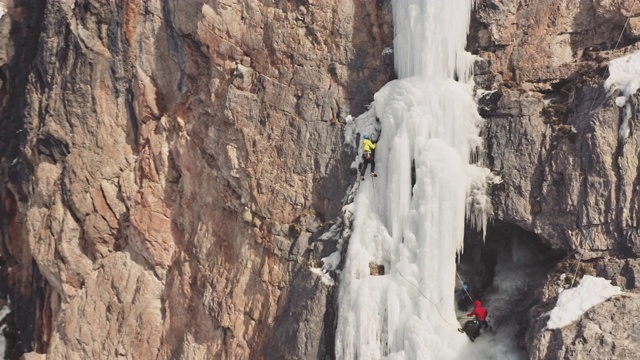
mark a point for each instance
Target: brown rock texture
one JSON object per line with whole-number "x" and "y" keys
{"x": 168, "y": 166}
{"x": 535, "y": 43}
{"x": 567, "y": 176}
{"x": 552, "y": 135}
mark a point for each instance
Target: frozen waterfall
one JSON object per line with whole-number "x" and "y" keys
{"x": 428, "y": 120}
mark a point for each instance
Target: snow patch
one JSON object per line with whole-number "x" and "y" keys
{"x": 482, "y": 92}
{"x": 324, "y": 277}
{"x": 3, "y": 9}
{"x": 331, "y": 262}
{"x": 624, "y": 75}
{"x": 572, "y": 303}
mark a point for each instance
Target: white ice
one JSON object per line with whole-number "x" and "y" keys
{"x": 572, "y": 303}
{"x": 428, "y": 118}
{"x": 3, "y": 342}
{"x": 624, "y": 74}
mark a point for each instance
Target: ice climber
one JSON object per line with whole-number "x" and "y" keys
{"x": 480, "y": 313}
{"x": 465, "y": 297}
{"x": 368, "y": 155}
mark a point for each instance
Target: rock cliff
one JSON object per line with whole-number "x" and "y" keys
{"x": 168, "y": 166}
{"x": 552, "y": 135}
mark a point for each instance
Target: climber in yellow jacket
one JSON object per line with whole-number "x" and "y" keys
{"x": 368, "y": 155}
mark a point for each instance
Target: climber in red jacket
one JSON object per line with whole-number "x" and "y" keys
{"x": 480, "y": 314}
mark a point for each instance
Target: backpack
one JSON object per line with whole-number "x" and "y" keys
{"x": 472, "y": 329}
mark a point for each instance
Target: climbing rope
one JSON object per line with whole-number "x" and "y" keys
{"x": 577, "y": 262}
{"x": 465, "y": 290}
{"x": 625, "y": 24}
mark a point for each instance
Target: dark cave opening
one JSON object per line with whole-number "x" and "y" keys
{"x": 504, "y": 270}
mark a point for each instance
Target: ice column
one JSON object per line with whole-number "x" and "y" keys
{"x": 429, "y": 120}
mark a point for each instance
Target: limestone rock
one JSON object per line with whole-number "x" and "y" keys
{"x": 535, "y": 43}
{"x": 375, "y": 269}
{"x": 33, "y": 356}
{"x": 158, "y": 152}
{"x": 566, "y": 176}
{"x": 633, "y": 28}
{"x": 551, "y": 135}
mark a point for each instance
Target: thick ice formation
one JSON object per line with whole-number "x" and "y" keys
{"x": 428, "y": 118}
{"x": 572, "y": 303}
{"x": 624, "y": 74}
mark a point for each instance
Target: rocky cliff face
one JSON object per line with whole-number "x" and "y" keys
{"x": 167, "y": 167}
{"x": 552, "y": 134}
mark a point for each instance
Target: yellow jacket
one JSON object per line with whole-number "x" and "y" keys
{"x": 367, "y": 145}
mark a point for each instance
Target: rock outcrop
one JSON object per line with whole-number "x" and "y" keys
{"x": 576, "y": 186}
{"x": 168, "y": 166}
{"x": 552, "y": 135}
{"x": 607, "y": 331}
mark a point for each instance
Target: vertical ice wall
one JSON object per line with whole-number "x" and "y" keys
{"x": 427, "y": 117}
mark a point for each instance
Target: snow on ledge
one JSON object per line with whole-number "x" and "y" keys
{"x": 324, "y": 277}
{"x": 572, "y": 303}
{"x": 624, "y": 74}
{"x": 3, "y": 9}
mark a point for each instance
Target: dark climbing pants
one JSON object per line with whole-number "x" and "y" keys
{"x": 364, "y": 165}
{"x": 483, "y": 324}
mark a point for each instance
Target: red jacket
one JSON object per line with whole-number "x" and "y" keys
{"x": 480, "y": 312}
